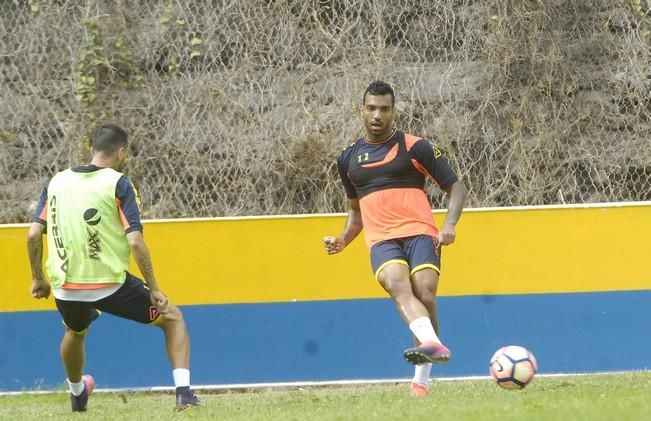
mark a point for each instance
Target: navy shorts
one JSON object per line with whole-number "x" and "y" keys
{"x": 417, "y": 252}
{"x": 131, "y": 302}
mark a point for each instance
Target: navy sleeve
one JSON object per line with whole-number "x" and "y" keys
{"x": 40, "y": 213}
{"x": 434, "y": 162}
{"x": 128, "y": 205}
{"x": 342, "y": 167}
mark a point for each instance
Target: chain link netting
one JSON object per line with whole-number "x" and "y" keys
{"x": 241, "y": 107}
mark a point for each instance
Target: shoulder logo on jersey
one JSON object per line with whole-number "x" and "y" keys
{"x": 437, "y": 152}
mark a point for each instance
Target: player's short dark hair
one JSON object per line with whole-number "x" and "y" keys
{"x": 109, "y": 138}
{"x": 378, "y": 87}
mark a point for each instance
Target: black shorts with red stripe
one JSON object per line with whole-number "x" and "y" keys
{"x": 132, "y": 301}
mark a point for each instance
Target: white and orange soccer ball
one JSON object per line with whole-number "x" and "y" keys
{"x": 513, "y": 367}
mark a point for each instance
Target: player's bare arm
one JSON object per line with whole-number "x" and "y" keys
{"x": 352, "y": 229}
{"x": 457, "y": 196}
{"x": 40, "y": 285}
{"x": 143, "y": 260}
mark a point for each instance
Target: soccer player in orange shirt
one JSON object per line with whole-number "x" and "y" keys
{"x": 384, "y": 175}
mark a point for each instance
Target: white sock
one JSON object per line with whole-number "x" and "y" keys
{"x": 421, "y": 374}
{"x": 76, "y": 388}
{"x": 181, "y": 377}
{"x": 423, "y": 330}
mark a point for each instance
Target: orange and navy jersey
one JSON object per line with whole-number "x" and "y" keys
{"x": 388, "y": 179}
{"x": 126, "y": 201}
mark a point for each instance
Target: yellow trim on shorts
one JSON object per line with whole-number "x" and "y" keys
{"x": 425, "y": 266}
{"x": 157, "y": 321}
{"x": 388, "y": 262}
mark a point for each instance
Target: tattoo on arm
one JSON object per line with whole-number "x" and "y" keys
{"x": 143, "y": 260}
{"x": 35, "y": 250}
{"x": 146, "y": 267}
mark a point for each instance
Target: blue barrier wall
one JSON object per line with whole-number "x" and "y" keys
{"x": 339, "y": 339}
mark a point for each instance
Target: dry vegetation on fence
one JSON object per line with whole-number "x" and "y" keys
{"x": 241, "y": 107}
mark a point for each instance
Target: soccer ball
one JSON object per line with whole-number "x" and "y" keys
{"x": 513, "y": 367}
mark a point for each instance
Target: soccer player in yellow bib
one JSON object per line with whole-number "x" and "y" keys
{"x": 92, "y": 219}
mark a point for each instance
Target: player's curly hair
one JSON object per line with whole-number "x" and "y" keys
{"x": 378, "y": 87}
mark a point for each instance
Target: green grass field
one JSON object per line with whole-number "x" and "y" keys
{"x": 595, "y": 397}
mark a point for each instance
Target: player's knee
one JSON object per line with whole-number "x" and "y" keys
{"x": 424, "y": 291}
{"x": 173, "y": 315}
{"x": 424, "y": 284}
{"x": 395, "y": 286}
{"x": 76, "y": 335}
{"x": 395, "y": 280}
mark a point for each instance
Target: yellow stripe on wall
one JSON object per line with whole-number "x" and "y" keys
{"x": 510, "y": 251}
{"x": 271, "y": 259}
